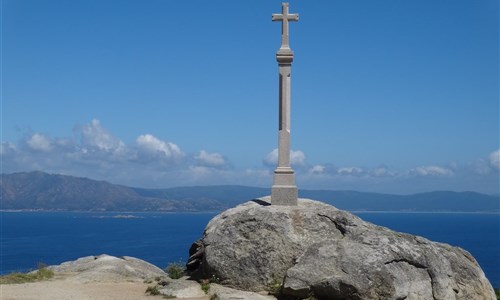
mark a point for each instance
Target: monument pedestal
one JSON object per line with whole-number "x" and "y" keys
{"x": 284, "y": 191}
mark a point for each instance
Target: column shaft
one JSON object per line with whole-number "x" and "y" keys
{"x": 284, "y": 191}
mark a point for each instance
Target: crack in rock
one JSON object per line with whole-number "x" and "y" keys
{"x": 339, "y": 227}
{"x": 411, "y": 263}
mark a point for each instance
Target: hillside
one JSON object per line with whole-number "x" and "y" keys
{"x": 42, "y": 191}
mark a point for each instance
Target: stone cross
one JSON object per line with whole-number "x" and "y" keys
{"x": 285, "y": 17}
{"x": 284, "y": 191}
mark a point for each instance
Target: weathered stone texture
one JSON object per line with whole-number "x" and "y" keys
{"x": 108, "y": 268}
{"x": 314, "y": 248}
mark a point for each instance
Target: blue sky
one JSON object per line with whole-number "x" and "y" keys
{"x": 387, "y": 96}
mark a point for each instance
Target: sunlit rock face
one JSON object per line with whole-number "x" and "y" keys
{"x": 316, "y": 249}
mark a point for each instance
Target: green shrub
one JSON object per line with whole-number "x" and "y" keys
{"x": 152, "y": 290}
{"x": 497, "y": 292}
{"x": 205, "y": 285}
{"x": 175, "y": 270}
{"x": 41, "y": 274}
{"x": 274, "y": 287}
{"x": 214, "y": 279}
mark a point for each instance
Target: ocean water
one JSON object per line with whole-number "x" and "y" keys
{"x": 28, "y": 238}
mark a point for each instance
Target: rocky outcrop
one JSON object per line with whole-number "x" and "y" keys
{"x": 108, "y": 268}
{"x": 316, "y": 249}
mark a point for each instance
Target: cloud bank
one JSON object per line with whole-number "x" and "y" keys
{"x": 151, "y": 161}
{"x": 297, "y": 158}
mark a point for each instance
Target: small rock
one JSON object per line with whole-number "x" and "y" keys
{"x": 181, "y": 288}
{"x": 225, "y": 293}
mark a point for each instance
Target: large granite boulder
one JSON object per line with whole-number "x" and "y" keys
{"x": 316, "y": 249}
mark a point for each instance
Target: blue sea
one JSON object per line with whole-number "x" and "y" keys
{"x": 28, "y": 238}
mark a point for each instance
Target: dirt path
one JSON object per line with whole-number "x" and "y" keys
{"x": 64, "y": 289}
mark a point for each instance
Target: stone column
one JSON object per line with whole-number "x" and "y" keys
{"x": 284, "y": 191}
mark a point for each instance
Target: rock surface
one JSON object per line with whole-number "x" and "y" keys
{"x": 220, "y": 292}
{"x": 180, "y": 288}
{"x": 108, "y": 268}
{"x": 316, "y": 249}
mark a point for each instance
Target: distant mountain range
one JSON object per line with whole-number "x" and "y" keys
{"x": 42, "y": 191}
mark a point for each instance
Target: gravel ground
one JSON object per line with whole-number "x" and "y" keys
{"x": 67, "y": 289}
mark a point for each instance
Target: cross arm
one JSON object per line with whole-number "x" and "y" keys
{"x": 290, "y": 17}
{"x": 277, "y": 17}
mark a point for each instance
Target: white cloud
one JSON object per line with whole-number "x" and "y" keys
{"x": 297, "y": 158}
{"x": 210, "y": 159}
{"x": 95, "y": 136}
{"x": 152, "y": 162}
{"x": 495, "y": 159}
{"x": 332, "y": 171}
{"x": 317, "y": 169}
{"x": 381, "y": 172}
{"x": 481, "y": 166}
{"x": 272, "y": 158}
{"x": 432, "y": 171}
{"x": 351, "y": 171}
{"x": 487, "y": 165}
{"x": 7, "y": 148}
{"x": 39, "y": 142}
{"x": 152, "y": 145}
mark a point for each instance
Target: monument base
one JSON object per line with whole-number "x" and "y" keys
{"x": 284, "y": 191}
{"x": 284, "y": 195}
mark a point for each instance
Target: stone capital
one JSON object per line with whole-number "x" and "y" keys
{"x": 284, "y": 56}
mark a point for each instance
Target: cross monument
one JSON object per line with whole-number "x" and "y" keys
{"x": 284, "y": 191}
